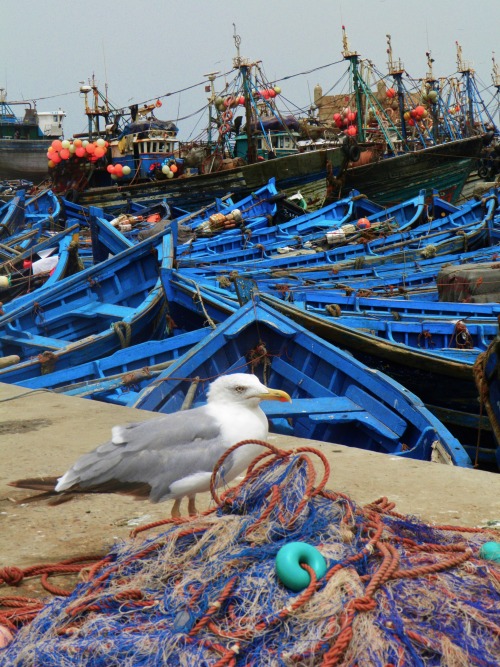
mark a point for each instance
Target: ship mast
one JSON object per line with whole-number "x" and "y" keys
{"x": 245, "y": 66}
{"x": 396, "y": 70}
{"x": 94, "y": 112}
{"x": 495, "y": 75}
{"x": 353, "y": 58}
{"x": 210, "y": 89}
{"x": 467, "y": 72}
{"x": 431, "y": 83}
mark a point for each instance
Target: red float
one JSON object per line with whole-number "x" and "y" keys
{"x": 363, "y": 223}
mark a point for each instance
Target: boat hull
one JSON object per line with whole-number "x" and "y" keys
{"x": 444, "y": 168}
{"x": 328, "y": 388}
{"x": 24, "y": 158}
{"x": 304, "y": 171}
{"x": 446, "y": 383}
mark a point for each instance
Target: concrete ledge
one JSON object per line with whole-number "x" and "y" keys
{"x": 43, "y": 433}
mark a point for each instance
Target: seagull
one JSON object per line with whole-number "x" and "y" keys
{"x": 173, "y": 456}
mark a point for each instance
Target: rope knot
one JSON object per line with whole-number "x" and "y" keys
{"x": 12, "y": 576}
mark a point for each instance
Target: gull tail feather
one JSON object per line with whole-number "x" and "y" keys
{"x": 47, "y": 487}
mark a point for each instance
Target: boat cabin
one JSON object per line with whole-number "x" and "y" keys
{"x": 51, "y": 123}
{"x": 273, "y": 144}
{"x": 31, "y": 125}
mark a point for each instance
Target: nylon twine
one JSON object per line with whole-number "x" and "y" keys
{"x": 203, "y": 590}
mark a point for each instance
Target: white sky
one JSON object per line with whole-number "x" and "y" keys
{"x": 146, "y": 49}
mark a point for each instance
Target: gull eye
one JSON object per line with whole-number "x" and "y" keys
{"x": 239, "y": 389}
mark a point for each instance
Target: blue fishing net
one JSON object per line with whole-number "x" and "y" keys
{"x": 205, "y": 591}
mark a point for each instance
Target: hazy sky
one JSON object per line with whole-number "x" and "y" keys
{"x": 147, "y": 49}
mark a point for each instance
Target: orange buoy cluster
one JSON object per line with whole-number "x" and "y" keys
{"x": 346, "y": 120}
{"x": 415, "y": 115}
{"x": 83, "y": 149}
{"x": 118, "y": 170}
{"x": 231, "y": 101}
{"x": 169, "y": 168}
{"x": 431, "y": 97}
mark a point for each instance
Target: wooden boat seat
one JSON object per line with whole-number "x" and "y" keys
{"x": 311, "y": 407}
{"x": 356, "y": 405}
{"x": 340, "y": 409}
{"x": 33, "y": 340}
{"x": 390, "y": 421}
{"x": 105, "y": 309}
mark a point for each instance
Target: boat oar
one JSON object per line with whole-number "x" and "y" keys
{"x": 47, "y": 243}
{"x": 186, "y": 218}
{"x": 19, "y": 239}
{"x": 111, "y": 382}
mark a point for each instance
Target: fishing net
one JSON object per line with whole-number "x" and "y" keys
{"x": 204, "y": 591}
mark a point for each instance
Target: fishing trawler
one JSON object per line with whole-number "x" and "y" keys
{"x": 25, "y": 139}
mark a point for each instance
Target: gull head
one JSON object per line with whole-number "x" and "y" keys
{"x": 243, "y": 388}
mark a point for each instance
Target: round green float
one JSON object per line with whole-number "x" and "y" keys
{"x": 288, "y": 565}
{"x": 490, "y": 551}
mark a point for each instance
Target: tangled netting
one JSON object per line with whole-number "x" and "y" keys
{"x": 204, "y": 591}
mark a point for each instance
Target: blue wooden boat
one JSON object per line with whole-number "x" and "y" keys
{"x": 334, "y": 304}
{"x": 384, "y": 276}
{"x": 335, "y": 398}
{"x": 119, "y": 377}
{"x": 256, "y": 206}
{"x": 110, "y": 233}
{"x": 305, "y": 227}
{"x": 464, "y": 229}
{"x": 335, "y": 224}
{"x": 12, "y": 215}
{"x": 449, "y": 330}
{"x": 210, "y": 306}
{"x": 488, "y": 386}
{"x": 35, "y": 221}
{"x": 103, "y": 233}
{"x": 440, "y": 373}
{"x": 44, "y": 204}
{"x": 91, "y": 314}
{"x": 22, "y": 283}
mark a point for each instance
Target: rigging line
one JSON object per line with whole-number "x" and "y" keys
{"x": 314, "y": 69}
{"x": 182, "y": 90}
{"x": 50, "y": 97}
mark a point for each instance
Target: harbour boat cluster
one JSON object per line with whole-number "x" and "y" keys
{"x": 340, "y": 307}
{"x": 142, "y": 252}
{"x": 349, "y": 259}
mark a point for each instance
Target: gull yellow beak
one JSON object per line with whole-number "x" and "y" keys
{"x": 276, "y": 395}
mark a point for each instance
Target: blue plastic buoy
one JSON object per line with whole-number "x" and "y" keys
{"x": 490, "y": 551}
{"x": 288, "y": 569}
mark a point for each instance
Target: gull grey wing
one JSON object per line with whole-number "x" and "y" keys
{"x": 155, "y": 452}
